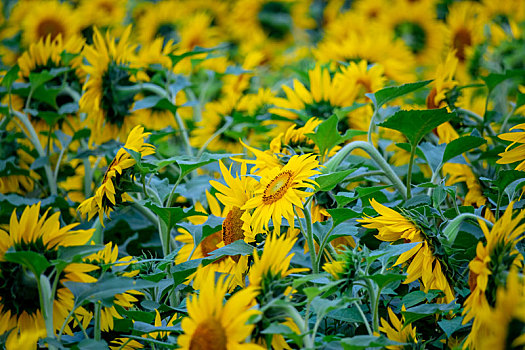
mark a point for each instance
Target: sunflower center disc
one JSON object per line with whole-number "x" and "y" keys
{"x": 232, "y": 226}
{"x": 462, "y": 40}
{"x": 50, "y": 27}
{"x": 277, "y": 187}
{"x": 209, "y": 335}
{"x": 209, "y": 244}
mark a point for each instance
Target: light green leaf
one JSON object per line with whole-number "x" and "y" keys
{"x": 172, "y": 215}
{"x": 328, "y": 182}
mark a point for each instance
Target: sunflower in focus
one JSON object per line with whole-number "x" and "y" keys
{"x": 19, "y": 297}
{"x": 397, "y": 330}
{"x": 422, "y": 264}
{"x": 107, "y": 258}
{"x": 280, "y": 190}
{"x": 516, "y": 154}
{"x": 106, "y": 105}
{"x": 488, "y": 268}
{"x": 505, "y": 321}
{"x": 213, "y": 324}
{"x": 111, "y": 192}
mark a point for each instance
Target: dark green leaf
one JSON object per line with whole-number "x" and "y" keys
{"x": 327, "y": 136}
{"x": 415, "y": 124}
{"x": 368, "y": 342}
{"x": 520, "y": 100}
{"x": 417, "y": 201}
{"x": 506, "y": 177}
{"x": 452, "y": 325}
{"x": 382, "y": 280}
{"x": 461, "y": 145}
{"x": 417, "y": 312}
{"x": 327, "y": 182}
{"x": 34, "y": 261}
{"x": 494, "y": 79}
{"x": 350, "y": 315}
{"x": 188, "y": 164}
{"x": 392, "y": 92}
{"x": 76, "y": 253}
{"x": 39, "y": 79}
{"x": 171, "y": 216}
{"x": 10, "y": 77}
{"x": 340, "y": 215}
{"x": 235, "y": 248}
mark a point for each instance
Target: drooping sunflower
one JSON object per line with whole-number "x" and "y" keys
{"x": 397, "y": 330}
{"x": 488, "y": 268}
{"x": 20, "y": 311}
{"x": 422, "y": 264}
{"x": 505, "y": 321}
{"x": 110, "y": 193}
{"x": 47, "y": 18}
{"x": 516, "y": 154}
{"x": 213, "y": 324}
{"x": 107, "y": 106}
{"x": 280, "y": 190}
{"x": 106, "y": 259}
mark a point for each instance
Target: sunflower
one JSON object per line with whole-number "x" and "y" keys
{"x": 516, "y": 154}
{"x": 101, "y": 14}
{"x": 107, "y": 258}
{"x": 423, "y": 265}
{"x": 505, "y": 322}
{"x": 324, "y": 95}
{"x": 280, "y": 190}
{"x": 19, "y": 297}
{"x": 213, "y": 324}
{"x": 232, "y": 229}
{"x": 161, "y": 20}
{"x": 443, "y": 82}
{"x": 48, "y": 18}
{"x": 416, "y": 25}
{"x": 487, "y": 269}
{"x": 465, "y": 24}
{"x": 213, "y": 119}
{"x": 397, "y": 330}
{"x": 376, "y": 47}
{"x": 106, "y": 106}
{"x": 460, "y": 172}
{"x": 110, "y": 193}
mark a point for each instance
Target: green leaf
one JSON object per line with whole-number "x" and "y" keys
{"x": 350, "y": 315}
{"x": 383, "y": 279}
{"x": 92, "y": 344}
{"x": 10, "y": 77}
{"x": 461, "y": 145}
{"x": 171, "y": 216}
{"x": 340, "y": 215}
{"x": 76, "y": 253}
{"x": 328, "y": 182}
{"x": 188, "y": 164}
{"x": 34, "y": 261}
{"x": 146, "y": 102}
{"x": 506, "y": 177}
{"x": 105, "y": 288}
{"x": 417, "y": 201}
{"x": 452, "y": 325}
{"x": 196, "y": 51}
{"x": 433, "y": 153}
{"x": 494, "y": 79}
{"x": 368, "y": 342}
{"x": 327, "y": 136}
{"x": 199, "y": 232}
{"x": 39, "y": 79}
{"x": 387, "y": 94}
{"x": 235, "y": 248}
{"x": 323, "y": 306}
{"x": 415, "y": 124}
{"x": 520, "y": 100}
{"x": 418, "y": 312}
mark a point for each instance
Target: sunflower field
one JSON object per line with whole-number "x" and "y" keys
{"x": 262, "y": 174}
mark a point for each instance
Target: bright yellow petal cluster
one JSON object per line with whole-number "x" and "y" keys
{"x": 280, "y": 190}
{"x": 398, "y": 331}
{"x": 392, "y": 227}
{"x": 516, "y": 154}
{"x": 105, "y": 197}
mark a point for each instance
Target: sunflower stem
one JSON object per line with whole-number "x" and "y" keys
{"x": 33, "y": 137}
{"x": 308, "y": 234}
{"x": 334, "y": 162}
{"x": 46, "y": 305}
{"x": 98, "y": 311}
{"x": 409, "y": 173}
{"x": 226, "y": 125}
{"x": 365, "y": 321}
{"x": 371, "y": 125}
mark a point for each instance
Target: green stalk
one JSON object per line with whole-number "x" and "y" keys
{"x": 365, "y": 321}
{"x": 98, "y": 311}
{"x": 33, "y": 137}
{"x": 334, "y": 162}
{"x": 409, "y": 173}
{"x": 308, "y": 234}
